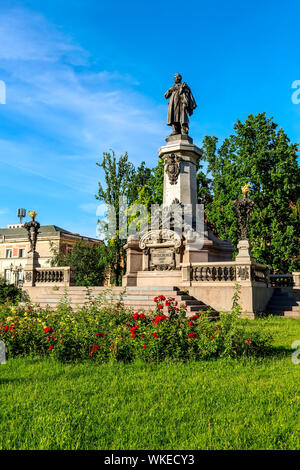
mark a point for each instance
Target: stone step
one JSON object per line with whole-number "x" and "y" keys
{"x": 137, "y": 298}
{"x": 153, "y": 289}
{"x": 285, "y": 313}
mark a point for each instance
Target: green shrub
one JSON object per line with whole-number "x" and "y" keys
{"x": 102, "y": 332}
{"x": 9, "y": 292}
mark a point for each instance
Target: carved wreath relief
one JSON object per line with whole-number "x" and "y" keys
{"x": 173, "y": 167}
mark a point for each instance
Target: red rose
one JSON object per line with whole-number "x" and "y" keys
{"x": 161, "y": 297}
{"x": 142, "y": 316}
{"x": 144, "y": 346}
{"x": 190, "y": 323}
{"x": 155, "y": 335}
{"x": 212, "y": 337}
{"x": 6, "y": 328}
{"x": 155, "y": 299}
{"x": 160, "y": 306}
{"x": 133, "y": 335}
{"x": 167, "y": 303}
{"x": 51, "y": 347}
{"x": 194, "y": 317}
{"x": 135, "y": 316}
{"x": 192, "y": 335}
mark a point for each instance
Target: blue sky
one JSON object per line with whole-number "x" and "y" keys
{"x": 86, "y": 76}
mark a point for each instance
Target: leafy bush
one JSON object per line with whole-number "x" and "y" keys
{"x": 9, "y": 292}
{"x": 100, "y": 332}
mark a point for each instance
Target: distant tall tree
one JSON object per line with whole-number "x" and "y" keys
{"x": 118, "y": 174}
{"x": 262, "y": 155}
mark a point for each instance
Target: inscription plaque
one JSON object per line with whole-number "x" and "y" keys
{"x": 162, "y": 258}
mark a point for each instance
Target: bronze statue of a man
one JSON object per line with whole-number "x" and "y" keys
{"x": 181, "y": 106}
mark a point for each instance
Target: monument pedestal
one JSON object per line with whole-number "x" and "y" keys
{"x": 29, "y": 270}
{"x": 161, "y": 251}
{"x": 180, "y": 157}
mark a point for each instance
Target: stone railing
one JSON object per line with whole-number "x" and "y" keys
{"x": 58, "y": 275}
{"x": 213, "y": 272}
{"x": 229, "y": 271}
{"x": 281, "y": 280}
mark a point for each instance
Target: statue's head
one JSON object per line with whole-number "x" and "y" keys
{"x": 177, "y": 78}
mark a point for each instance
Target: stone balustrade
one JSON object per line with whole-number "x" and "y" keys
{"x": 213, "y": 272}
{"x": 232, "y": 271}
{"x": 56, "y": 275}
{"x": 281, "y": 280}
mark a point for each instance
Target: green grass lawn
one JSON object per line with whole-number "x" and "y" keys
{"x": 215, "y": 404}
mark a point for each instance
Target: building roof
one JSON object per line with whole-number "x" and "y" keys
{"x": 22, "y": 232}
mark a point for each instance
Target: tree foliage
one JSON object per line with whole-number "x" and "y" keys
{"x": 89, "y": 263}
{"x": 260, "y": 154}
{"x": 118, "y": 175}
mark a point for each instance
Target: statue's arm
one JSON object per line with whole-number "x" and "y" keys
{"x": 169, "y": 92}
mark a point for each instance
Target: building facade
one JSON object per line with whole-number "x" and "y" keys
{"x": 14, "y": 247}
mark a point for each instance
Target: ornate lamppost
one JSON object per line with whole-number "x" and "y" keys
{"x": 243, "y": 207}
{"x": 32, "y": 228}
{"x": 15, "y": 270}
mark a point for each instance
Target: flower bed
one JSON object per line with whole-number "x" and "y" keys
{"x": 101, "y": 333}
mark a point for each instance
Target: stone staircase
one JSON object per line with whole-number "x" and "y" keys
{"x": 285, "y": 302}
{"x": 137, "y": 298}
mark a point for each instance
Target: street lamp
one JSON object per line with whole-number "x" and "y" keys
{"x": 15, "y": 271}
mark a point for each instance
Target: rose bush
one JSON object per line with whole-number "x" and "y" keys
{"x": 100, "y": 332}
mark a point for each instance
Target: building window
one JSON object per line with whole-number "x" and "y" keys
{"x": 7, "y": 274}
{"x": 21, "y": 253}
{"x": 8, "y": 253}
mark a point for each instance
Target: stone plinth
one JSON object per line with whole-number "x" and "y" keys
{"x": 134, "y": 261}
{"x": 244, "y": 254}
{"x": 32, "y": 263}
{"x": 180, "y": 156}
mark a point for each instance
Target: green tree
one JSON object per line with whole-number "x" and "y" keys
{"x": 260, "y": 154}
{"x": 90, "y": 263}
{"x": 118, "y": 175}
{"x": 149, "y": 186}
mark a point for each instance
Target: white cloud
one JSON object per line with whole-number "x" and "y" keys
{"x": 93, "y": 110}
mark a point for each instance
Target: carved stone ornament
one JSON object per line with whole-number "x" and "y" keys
{"x": 28, "y": 277}
{"x": 173, "y": 167}
{"x": 243, "y": 273}
{"x": 160, "y": 237}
